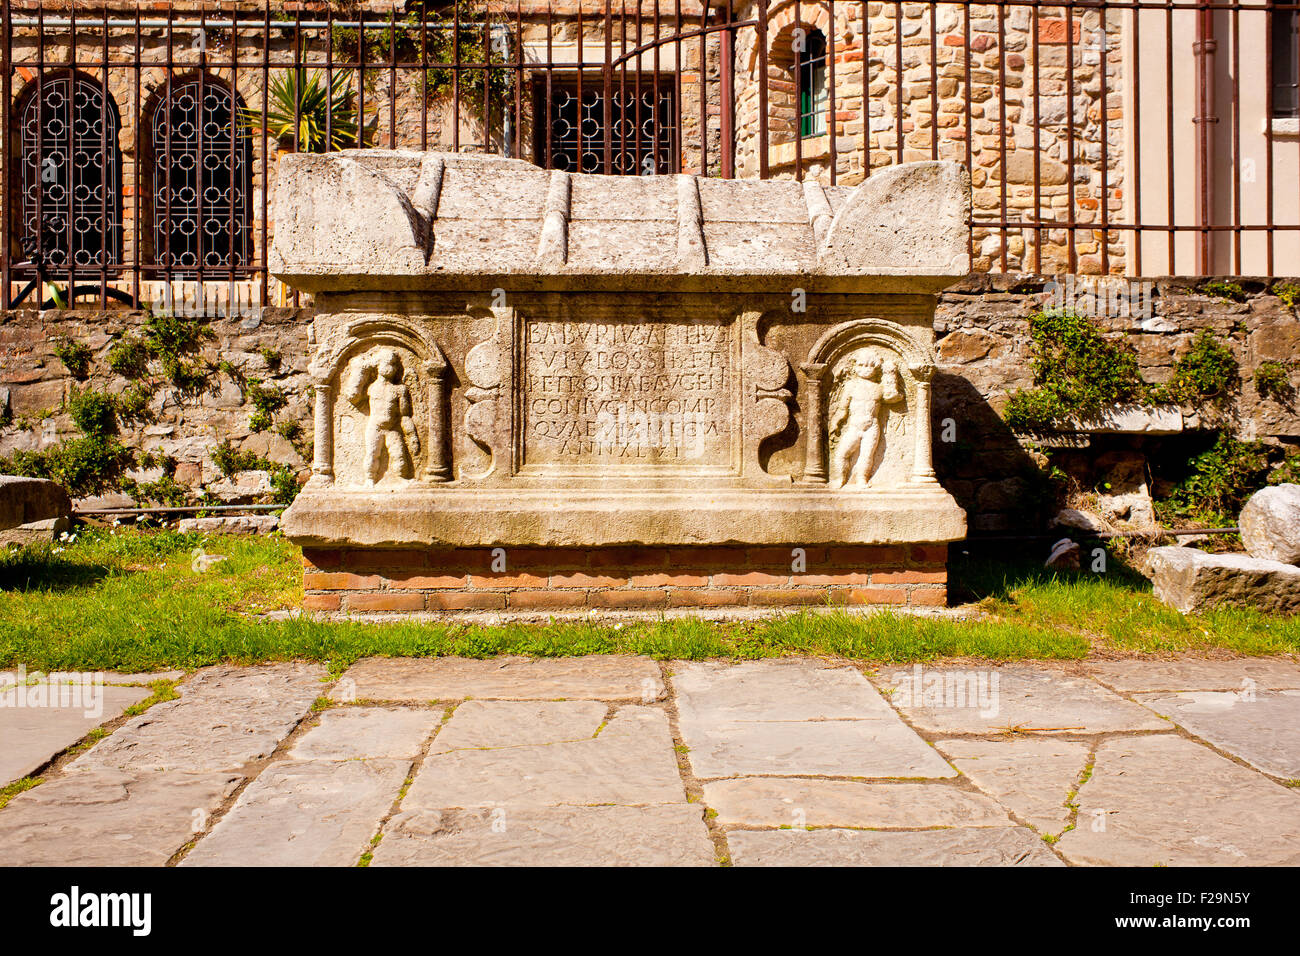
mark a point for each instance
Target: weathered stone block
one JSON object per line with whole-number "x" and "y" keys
{"x": 1192, "y": 580}
{"x": 1270, "y": 524}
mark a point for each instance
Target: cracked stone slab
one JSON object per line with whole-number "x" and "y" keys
{"x": 672, "y": 835}
{"x": 1045, "y": 700}
{"x": 479, "y": 724}
{"x": 357, "y": 733}
{"x": 1168, "y": 800}
{"x": 1260, "y": 673}
{"x": 1030, "y": 776}
{"x": 631, "y": 762}
{"x": 769, "y": 802}
{"x": 1262, "y": 727}
{"x": 991, "y": 846}
{"x": 794, "y": 718}
{"x": 599, "y": 677}
{"x": 34, "y": 735}
{"x": 304, "y": 813}
{"x": 110, "y": 818}
{"x": 225, "y": 718}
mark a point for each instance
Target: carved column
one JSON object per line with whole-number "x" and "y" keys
{"x": 322, "y": 464}
{"x": 438, "y": 464}
{"x": 814, "y": 469}
{"x": 923, "y": 464}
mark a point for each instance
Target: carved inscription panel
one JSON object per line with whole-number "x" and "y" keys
{"x": 627, "y": 395}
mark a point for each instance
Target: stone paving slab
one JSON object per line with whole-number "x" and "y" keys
{"x": 1030, "y": 776}
{"x": 770, "y": 802}
{"x": 110, "y": 818}
{"x": 991, "y": 846}
{"x": 225, "y": 718}
{"x": 352, "y": 733}
{"x": 600, "y": 677}
{"x": 134, "y": 679}
{"x": 32, "y": 736}
{"x": 1266, "y": 673}
{"x": 794, "y": 718}
{"x": 672, "y": 835}
{"x": 1041, "y": 699}
{"x": 304, "y": 813}
{"x": 1262, "y": 728}
{"x": 1168, "y": 800}
{"x": 482, "y": 724}
{"x": 631, "y": 762}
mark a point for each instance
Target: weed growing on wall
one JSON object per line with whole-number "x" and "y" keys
{"x": 1217, "y": 483}
{"x": 1273, "y": 380}
{"x": 1207, "y": 375}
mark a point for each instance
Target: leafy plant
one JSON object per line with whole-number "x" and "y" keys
{"x": 1207, "y": 374}
{"x": 75, "y": 357}
{"x": 1224, "y": 290}
{"x": 267, "y": 400}
{"x": 1217, "y": 483}
{"x": 1078, "y": 371}
{"x": 1273, "y": 380}
{"x": 309, "y": 111}
{"x": 1289, "y": 293}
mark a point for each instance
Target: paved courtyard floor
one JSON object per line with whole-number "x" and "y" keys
{"x": 627, "y": 761}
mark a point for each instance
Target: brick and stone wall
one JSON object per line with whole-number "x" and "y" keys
{"x": 557, "y": 579}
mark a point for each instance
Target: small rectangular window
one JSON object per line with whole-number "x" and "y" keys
{"x": 643, "y": 134}
{"x": 1285, "y": 63}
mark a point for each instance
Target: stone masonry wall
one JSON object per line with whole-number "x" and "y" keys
{"x": 983, "y": 347}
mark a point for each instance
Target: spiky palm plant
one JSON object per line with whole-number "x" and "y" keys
{"x": 302, "y": 109}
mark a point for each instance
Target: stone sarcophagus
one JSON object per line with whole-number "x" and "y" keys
{"x": 538, "y": 390}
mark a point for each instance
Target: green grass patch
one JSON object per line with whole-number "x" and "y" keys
{"x": 7, "y": 793}
{"x": 130, "y": 600}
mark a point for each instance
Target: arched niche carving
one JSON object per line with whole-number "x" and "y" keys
{"x": 382, "y": 396}
{"x": 868, "y": 407}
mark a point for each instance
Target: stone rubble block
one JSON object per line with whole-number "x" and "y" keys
{"x": 110, "y": 818}
{"x": 1267, "y": 673}
{"x": 1261, "y": 727}
{"x": 1162, "y": 799}
{"x": 225, "y": 718}
{"x": 365, "y": 733}
{"x": 630, "y": 763}
{"x": 481, "y": 724}
{"x": 31, "y": 737}
{"x": 304, "y": 813}
{"x": 1270, "y": 524}
{"x": 596, "y": 677}
{"x": 25, "y": 501}
{"x": 794, "y": 718}
{"x": 1031, "y": 777}
{"x": 768, "y": 802}
{"x": 607, "y": 836}
{"x": 230, "y": 524}
{"x": 1192, "y": 581}
{"x": 1000, "y": 846}
{"x": 1024, "y": 698}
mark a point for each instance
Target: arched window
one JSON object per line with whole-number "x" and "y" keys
{"x": 71, "y": 173}
{"x": 201, "y": 184}
{"x": 813, "y": 92}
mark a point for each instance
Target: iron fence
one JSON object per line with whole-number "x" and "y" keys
{"x": 1139, "y": 137}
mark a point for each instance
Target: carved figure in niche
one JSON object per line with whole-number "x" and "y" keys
{"x": 866, "y": 390}
{"x": 376, "y": 388}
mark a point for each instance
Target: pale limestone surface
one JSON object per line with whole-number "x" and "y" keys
{"x": 110, "y": 818}
{"x": 357, "y": 733}
{"x": 1192, "y": 580}
{"x": 505, "y": 678}
{"x": 786, "y": 718}
{"x": 990, "y": 846}
{"x": 1261, "y": 673}
{"x": 479, "y": 724}
{"x": 630, "y": 762}
{"x": 1261, "y": 727}
{"x": 32, "y": 736}
{"x": 1270, "y": 524}
{"x": 1164, "y": 799}
{"x": 1031, "y": 777}
{"x": 304, "y": 813}
{"x": 225, "y": 718}
{"x": 771, "y": 802}
{"x": 673, "y": 835}
{"x": 1030, "y": 699}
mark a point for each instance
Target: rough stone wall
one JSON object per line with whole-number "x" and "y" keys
{"x": 983, "y": 347}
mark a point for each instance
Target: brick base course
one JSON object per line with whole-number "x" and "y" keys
{"x": 543, "y": 579}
